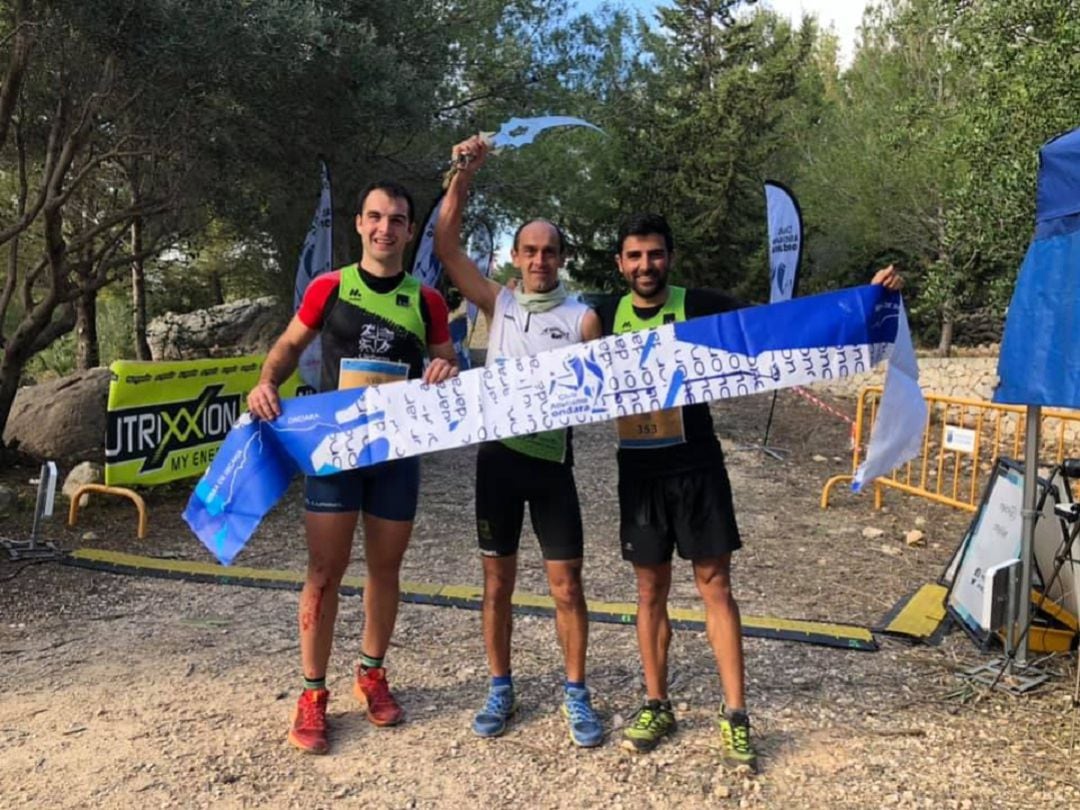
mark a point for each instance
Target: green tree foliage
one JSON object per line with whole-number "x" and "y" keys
{"x": 927, "y": 149}
{"x": 169, "y": 115}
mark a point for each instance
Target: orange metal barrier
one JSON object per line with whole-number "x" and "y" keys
{"x": 123, "y": 492}
{"x": 963, "y": 437}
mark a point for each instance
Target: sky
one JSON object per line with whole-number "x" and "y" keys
{"x": 843, "y": 15}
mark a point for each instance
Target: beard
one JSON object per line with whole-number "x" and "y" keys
{"x": 654, "y": 284}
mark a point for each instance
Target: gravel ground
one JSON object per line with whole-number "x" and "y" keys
{"x": 120, "y": 691}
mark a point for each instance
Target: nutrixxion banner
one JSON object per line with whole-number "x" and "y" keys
{"x": 167, "y": 420}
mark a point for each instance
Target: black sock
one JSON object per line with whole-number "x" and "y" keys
{"x": 737, "y": 716}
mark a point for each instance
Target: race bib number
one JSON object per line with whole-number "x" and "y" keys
{"x": 357, "y": 372}
{"x": 549, "y": 445}
{"x": 656, "y": 429}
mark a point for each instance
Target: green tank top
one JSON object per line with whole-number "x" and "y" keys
{"x": 663, "y": 428}
{"x": 364, "y": 323}
{"x": 673, "y": 310}
{"x": 400, "y": 306}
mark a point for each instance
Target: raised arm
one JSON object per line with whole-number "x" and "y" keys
{"x": 889, "y": 277}
{"x": 448, "y": 248}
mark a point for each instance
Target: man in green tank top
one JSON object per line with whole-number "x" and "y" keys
{"x": 675, "y": 495}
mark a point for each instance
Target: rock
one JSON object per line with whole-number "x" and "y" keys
{"x": 722, "y": 792}
{"x": 8, "y": 499}
{"x": 870, "y": 533}
{"x": 920, "y": 522}
{"x": 892, "y": 551}
{"x": 819, "y": 457}
{"x": 617, "y": 721}
{"x": 915, "y": 539}
{"x": 89, "y": 536}
{"x": 62, "y": 419}
{"x": 85, "y": 473}
{"x": 683, "y": 706}
{"x": 247, "y": 326}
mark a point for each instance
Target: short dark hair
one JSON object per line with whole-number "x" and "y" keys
{"x": 558, "y": 232}
{"x": 645, "y": 224}
{"x": 392, "y": 189}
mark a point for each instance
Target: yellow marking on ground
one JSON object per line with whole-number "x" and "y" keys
{"x": 466, "y": 593}
{"x": 923, "y": 613}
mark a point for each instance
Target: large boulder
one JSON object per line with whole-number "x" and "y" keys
{"x": 247, "y": 326}
{"x": 62, "y": 419}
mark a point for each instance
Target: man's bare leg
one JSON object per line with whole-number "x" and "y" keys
{"x": 653, "y": 626}
{"x": 329, "y": 539}
{"x": 385, "y": 542}
{"x": 500, "y": 576}
{"x": 571, "y": 614}
{"x": 723, "y": 626}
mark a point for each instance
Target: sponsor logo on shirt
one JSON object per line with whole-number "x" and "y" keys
{"x": 374, "y": 339}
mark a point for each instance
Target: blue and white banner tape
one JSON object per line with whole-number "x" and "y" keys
{"x": 798, "y": 342}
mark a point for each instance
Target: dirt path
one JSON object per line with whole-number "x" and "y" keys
{"x": 120, "y": 692}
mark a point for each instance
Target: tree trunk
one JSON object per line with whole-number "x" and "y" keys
{"x": 10, "y": 374}
{"x": 35, "y": 333}
{"x": 138, "y": 293}
{"x": 217, "y": 295}
{"x": 87, "y": 354}
{"x": 945, "y": 344}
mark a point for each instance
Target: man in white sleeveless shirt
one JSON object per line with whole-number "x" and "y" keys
{"x": 536, "y": 469}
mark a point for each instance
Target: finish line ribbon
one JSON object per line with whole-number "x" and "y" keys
{"x": 798, "y": 342}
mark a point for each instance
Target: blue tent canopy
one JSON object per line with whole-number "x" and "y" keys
{"x": 1040, "y": 351}
{"x": 1058, "y": 193}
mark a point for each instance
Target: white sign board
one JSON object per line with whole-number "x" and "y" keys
{"x": 960, "y": 440}
{"x": 993, "y": 538}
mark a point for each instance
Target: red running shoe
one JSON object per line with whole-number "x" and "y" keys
{"x": 308, "y": 732}
{"x": 374, "y": 695}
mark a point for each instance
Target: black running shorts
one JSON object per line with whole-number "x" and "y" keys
{"x": 690, "y": 511}
{"x": 389, "y": 490}
{"x": 505, "y": 481}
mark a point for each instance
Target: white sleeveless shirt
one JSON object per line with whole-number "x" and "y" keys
{"x": 517, "y": 333}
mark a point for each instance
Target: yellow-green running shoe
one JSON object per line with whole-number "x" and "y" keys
{"x": 734, "y": 729}
{"x": 649, "y": 725}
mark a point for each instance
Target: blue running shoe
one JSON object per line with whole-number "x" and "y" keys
{"x": 585, "y": 728}
{"x": 498, "y": 709}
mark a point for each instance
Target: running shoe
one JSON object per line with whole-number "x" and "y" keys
{"x": 308, "y": 730}
{"x": 649, "y": 725}
{"x": 374, "y": 695}
{"x": 585, "y": 728}
{"x": 735, "y": 738}
{"x": 499, "y": 707}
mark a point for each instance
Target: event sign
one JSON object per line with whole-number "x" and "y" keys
{"x": 785, "y": 241}
{"x": 167, "y": 420}
{"x": 316, "y": 258}
{"x": 824, "y": 337}
{"x": 426, "y": 268}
